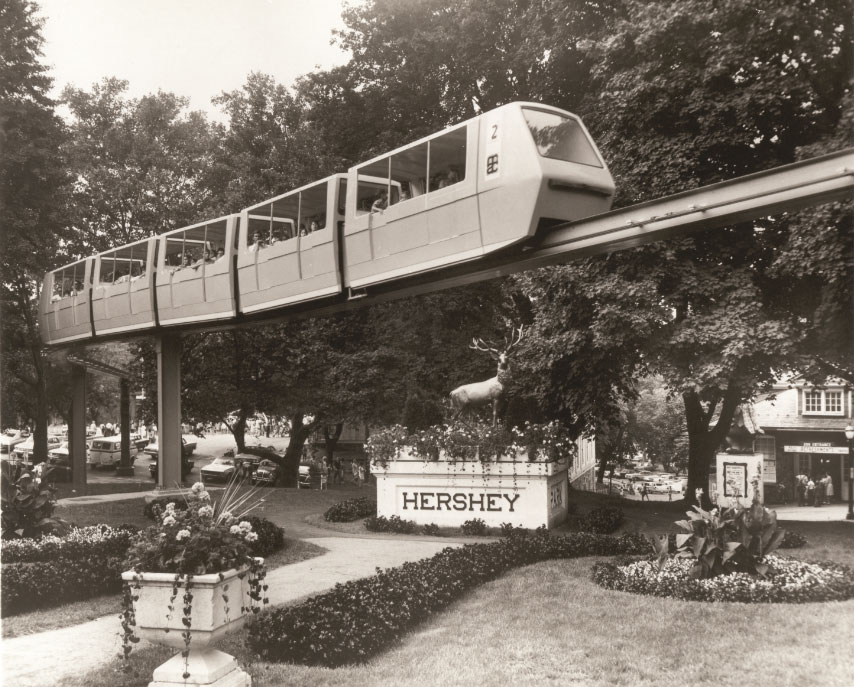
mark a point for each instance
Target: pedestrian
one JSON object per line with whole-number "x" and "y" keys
{"x": 361, "y": 473}
{"x": 819, "y": 492}
{"x": 810, "y": 492}
{"x": 337, "y": 471}
{"x": 670, "y": 492}
{"x": 828, "y": 488}
{"x": 644, "y": 493}
{"x": 801, "y": 487}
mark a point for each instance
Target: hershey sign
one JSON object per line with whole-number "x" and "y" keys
{"x": 468, "y": 501}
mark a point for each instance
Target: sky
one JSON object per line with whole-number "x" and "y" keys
{"x": 194, "y": 48}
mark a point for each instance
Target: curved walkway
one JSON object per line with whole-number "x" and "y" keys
{"x": 43, "y": 659}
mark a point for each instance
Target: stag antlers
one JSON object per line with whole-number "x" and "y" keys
{"x": 510, "y": 341}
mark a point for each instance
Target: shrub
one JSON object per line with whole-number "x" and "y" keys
{"x": 351, "y": 509}
{"x": 508, "y": 530}
{"x": 356, "y": 620}
{"x": 26, "y": 504}
{"x": 602, "y": 520}
{"x": 55, "y": 570}
{"x": 271, "y": 537}
{"x": 474, "y": 527}
{"x": 793, "y": 540}
{"x": 787, "y": 581}
{"x": 431, "y": 530}
{"x": 380, "y": 523}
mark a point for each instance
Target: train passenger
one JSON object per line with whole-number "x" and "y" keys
{"x": 220, "y": 254}
{"x": 381, "y": 203}
{"x": 206, "y": 258}
{"x": 257, "y": 242}
{"x": 302, "y": 230}
{"x": 313, "y": 226}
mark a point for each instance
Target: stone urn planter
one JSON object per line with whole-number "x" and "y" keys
{"x": 219, "y": 605}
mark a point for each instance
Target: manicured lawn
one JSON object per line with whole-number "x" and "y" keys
{"x": 557, "y": 627}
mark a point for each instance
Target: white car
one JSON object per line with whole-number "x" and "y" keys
{"x": 23, "y": 452}
{"x": 220, "y": 469}
{"x": 10, "y": 439}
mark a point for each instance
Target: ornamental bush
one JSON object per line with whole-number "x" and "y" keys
{"x": 271, "y": 537}
{"x": 55, "y": 570}
{"x": 786, "y": 581}
{"x": 156, "y": 506}
{"x": 793, "y": 540}
{"x": 602, "y": 520}
{"x": 380, "y": 523}
{"x": 356, "y": 620}
{"x": 475, "y": 527}
{"x": 351, "y": 509}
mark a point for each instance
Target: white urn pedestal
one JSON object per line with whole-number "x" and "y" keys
{"x": 216, "y": 609}
{"x": 523, "y": 493}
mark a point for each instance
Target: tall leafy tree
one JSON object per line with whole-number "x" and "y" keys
{"x": 33, "y": 183}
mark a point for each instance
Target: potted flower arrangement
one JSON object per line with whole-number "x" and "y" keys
{"x": 201, "y": 553}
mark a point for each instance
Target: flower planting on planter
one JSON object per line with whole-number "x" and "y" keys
{"x": 453, "y": 473}
{"x": 192, "y": 579}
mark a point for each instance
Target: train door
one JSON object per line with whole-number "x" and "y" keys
{"x": 65, "y": 303}
{"x": 288, "y": 251}
{"x": 414, "y": 209}
{"x": 121, "y": 293}
{"x": 194, "y": 281}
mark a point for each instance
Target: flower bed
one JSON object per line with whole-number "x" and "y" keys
{"x": 358, "y": 619}
{"x": 787, "y": 581}
{"x": 39, "y": 573}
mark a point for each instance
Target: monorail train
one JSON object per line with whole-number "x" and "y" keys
{"x": 488, "y": 183}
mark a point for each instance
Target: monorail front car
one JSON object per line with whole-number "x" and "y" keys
{"x": 488, "y": 183}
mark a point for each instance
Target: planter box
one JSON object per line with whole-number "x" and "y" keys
{"x": 211, "y": 616}
{"x": 447, "y": 493}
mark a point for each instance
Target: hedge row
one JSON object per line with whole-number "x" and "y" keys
{"x": 87, "y": 562}
{"x": 358, "y": 619}
{"x": 351, "y": 509}
{"x": 602, "y": 520}
{"x": 55, "y": 570}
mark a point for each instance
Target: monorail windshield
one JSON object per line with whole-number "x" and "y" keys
{"x": 560, "y": 137}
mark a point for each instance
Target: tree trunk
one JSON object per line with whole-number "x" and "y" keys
{"x": 238, "y": 430}
{"x": 330, "y": 441}
{"x": 293, "y": 454}
{"x": 704, "y": 440}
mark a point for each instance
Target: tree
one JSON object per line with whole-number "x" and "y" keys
{"x": 33, "y": 183}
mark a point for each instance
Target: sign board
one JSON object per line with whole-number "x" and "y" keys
{"x": 816, "y": 448}
{"x": 735, "y": 476}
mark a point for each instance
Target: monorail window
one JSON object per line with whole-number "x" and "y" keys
{"x": 195, "y": 247}
{"x": 68, "y": 281}
{"x": 123, "y": 265}
{"x": 282, "y": 219}
{"x": 560, "y": 137}
{"x": 423, "y": 168}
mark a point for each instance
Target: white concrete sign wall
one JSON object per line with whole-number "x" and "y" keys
{"x": 449, "y": 493}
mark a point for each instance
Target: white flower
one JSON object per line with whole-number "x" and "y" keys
{"x": 182, "y": 534}
{"x": 169, "y": 520}
{"x": 170, "y": 507}
{"x": 235, "y": 529}
{"x": 245, "y": 526}
{"x": 251, "y": 536}
{"x": 204, "y": 496}
{"x": 198, "y": 488}
{"x": 226, "y": 517}
{"x": 206, "y": 512}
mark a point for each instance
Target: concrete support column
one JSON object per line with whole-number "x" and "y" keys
{"x": 169, "y": 411}
{"x": 125, "y": 468}
{"x": 77, "y": 426}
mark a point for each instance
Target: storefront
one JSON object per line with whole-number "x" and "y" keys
{"x": 817, "y": 458}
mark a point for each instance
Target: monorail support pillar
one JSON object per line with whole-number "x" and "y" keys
{"x": 125, "y": 468}
{"x": 77, "y": 426}
{"x": 169, "y": 411}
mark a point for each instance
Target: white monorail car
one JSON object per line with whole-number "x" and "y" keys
{"x": 488, "y": 183}
{"x": 474, "y": 188}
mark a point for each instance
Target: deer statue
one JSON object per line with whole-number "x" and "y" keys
{"x": 490, "y": 390}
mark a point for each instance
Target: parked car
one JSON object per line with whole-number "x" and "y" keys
{"x": 305, "y": 475}
{"x": 107, "y": 451}
{"x": 57, "y": 468}
{"x": 23, "y": 452}
{"x": 10, "y": 439}
{"x": 187, "y": 466}
{"x": 187, "y": 448}
{"x": 267, "y": 472}
{"x": 220, "y": 469}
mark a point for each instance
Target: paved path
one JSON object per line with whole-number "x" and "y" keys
{"x": 41, "y": 660}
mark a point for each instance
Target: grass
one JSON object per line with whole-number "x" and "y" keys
{"x": 78, "y": 612}
{"x": 561, "y": 628}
